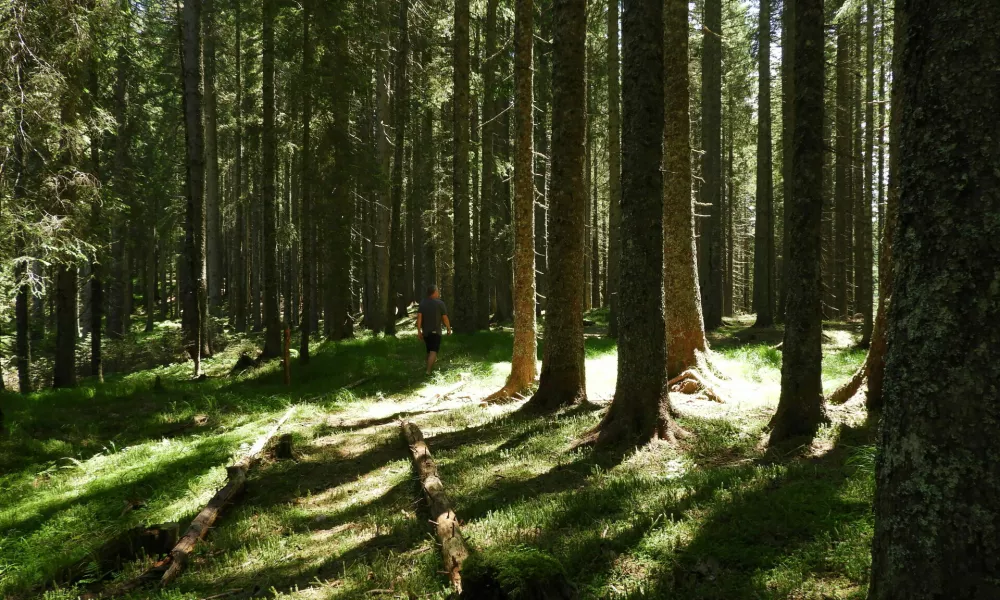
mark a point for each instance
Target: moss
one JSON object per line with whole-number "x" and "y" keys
{"x": 517, "y": 573}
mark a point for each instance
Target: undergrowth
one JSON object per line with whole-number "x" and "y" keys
{"x": 716, "y": 517}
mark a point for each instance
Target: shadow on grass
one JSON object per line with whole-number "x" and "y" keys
{"x": 763, "y": 541}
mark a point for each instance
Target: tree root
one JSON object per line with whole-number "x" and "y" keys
{"x": 849, "y": 389}
{"x": 692, "y": 381}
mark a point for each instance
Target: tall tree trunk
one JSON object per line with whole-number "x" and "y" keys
{"x": 22, "y": 317}
{"x": 843, "y": 156}
{"x": 936, "y": 481}
{"x": 503, "y": 285}
{"x": 66, "y": 308}
{"x": 305, "y": 329}
{"x": 543, "y": 93}
{"x": 523, "y": 364}
{"x": 338, "y": 318}
{"x": 710, "y": 265}
{"x": 119, "y": 275}
{"x": 865, "y": 301}
{"x": 96, "y": 287}
{"x": 213, "y": 216}
{"x": 682, "y": 299}
{"x": 397, "y": 297}
{"x": 640, "y": 410}
{"x": 487, "y": 197}
{"x": 787, "y": 131}
{"x": 269, "y": 247}
{"x": 763, "y": 255}
{"x": 194, "y": 224}
{"x": 877, "y": 353}
{"x": 615, "y": 167}
{"x": 563, "y": 377}
{"x": 800, "y": 408}
{"x": 66, "y": 289}
{"x": 462, "y": 313}
{"x": 238, "y": 304}
{"x": 382, "y": 217}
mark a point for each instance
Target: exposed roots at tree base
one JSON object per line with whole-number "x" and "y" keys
{"x": 693, "y": 381}
{"x": 847, "y": 391}
{"x": 620, "y": 432}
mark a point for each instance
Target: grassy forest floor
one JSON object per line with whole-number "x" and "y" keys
{"x": 718, "y": 517}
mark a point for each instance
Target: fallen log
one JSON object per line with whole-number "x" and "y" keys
{"x": 449, "y": 533}
{"x": 237, "y": 478}
{"x": 170, "y": 567}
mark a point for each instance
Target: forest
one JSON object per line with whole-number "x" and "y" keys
{"x": 499, "y": 299}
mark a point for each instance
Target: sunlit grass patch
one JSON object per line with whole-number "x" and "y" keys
{"x": 714, "y": 517}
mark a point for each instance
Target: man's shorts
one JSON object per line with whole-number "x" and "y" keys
{"x": 432, "y": 341}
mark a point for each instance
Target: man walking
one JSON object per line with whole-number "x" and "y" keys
{"x": 430, "y": 315}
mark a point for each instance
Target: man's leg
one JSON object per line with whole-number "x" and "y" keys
{"x": 431, "y": 358}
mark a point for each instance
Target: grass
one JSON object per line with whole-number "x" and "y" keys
{"x": 715, "y": 518}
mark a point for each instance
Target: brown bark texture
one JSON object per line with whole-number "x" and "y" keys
{"x": 682, "y": 298}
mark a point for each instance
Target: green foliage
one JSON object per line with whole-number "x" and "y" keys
{"x": 713, "y": 518}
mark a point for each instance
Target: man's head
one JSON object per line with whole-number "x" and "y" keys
{"x": 432, "y": 291}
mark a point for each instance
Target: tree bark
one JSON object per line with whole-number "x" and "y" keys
{"x": 487, "y": 195}
{"x": 787, "y": 130}
{"x": 800, "y": 408}
{"x": 763, "y": 253}
{"x": 194, "y": 225}
{"x": 936, "y": 481}
{"x": 238, "y": 303}
{"x": 844, "y": 159}
{"x": 22, "y": 317}
{"x": 269, "y": 245}
{"x": 397, "y": 304}
{"x": 865, "y": 302}
{"x": 96, "y": 272}
{"x": 524, "y": 367}
{"x": 463, "y": 304}
{"x": 878, "y": 351}
{"x": 338, "y": 318}
{"x": 640, "y": 410}
{"x": 305, "y": 329}
{"x": 710, "y": 257}
{"x": 682, "y": 299}
{"x": 563, "y": 377}
{"x": 212, "y": 201}
{"x": 615, "y": 167}
{"x": 447, "y": 526}
{"x": 66, "y": 309}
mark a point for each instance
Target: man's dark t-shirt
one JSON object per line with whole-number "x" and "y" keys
{"x": 432, "y": 310}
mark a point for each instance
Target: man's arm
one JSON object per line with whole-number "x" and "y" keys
{"x": 447, "y": 323}
{"x": 420, "y": 326}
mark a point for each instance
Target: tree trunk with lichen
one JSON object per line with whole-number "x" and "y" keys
{"x": 937, "y": 487}
{"x": 563, "y": 381}
{"x": 684, "y": 322}
{"x": 800, "y": 408}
